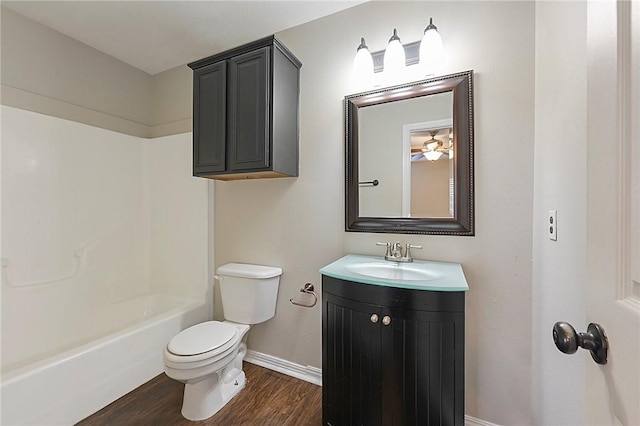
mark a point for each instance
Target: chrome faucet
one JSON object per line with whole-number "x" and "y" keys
{"x": 396, "y": 250}
{"x": 395, "y": 253}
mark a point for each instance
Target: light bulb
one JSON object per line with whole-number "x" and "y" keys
{"x": 432, "y": 155}
{"x": 431, "y": 50}
{"x": 394, "y": 58}
{"x": 363, "y": 65}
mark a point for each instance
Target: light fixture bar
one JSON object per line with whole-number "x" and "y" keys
{"x": 411, "y": 52}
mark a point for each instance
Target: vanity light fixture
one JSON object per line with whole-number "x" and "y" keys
{"x": 394, "y": 57}
{"x": 395, "y": 60}
{"x": 363, "y": 64}
{"x": 431, "y": 49}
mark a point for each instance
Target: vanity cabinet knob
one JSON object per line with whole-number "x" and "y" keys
{"x": 386, "y": 320}
{"x": 374, "y": 318}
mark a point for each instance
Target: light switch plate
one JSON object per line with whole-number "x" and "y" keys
{"x": 552, "y": 225}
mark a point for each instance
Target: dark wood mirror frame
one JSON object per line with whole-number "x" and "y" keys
{"x": 462, "y": 222}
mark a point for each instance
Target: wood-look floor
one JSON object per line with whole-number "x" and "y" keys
{"x": 268, "y": 399}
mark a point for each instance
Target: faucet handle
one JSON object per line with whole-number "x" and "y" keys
{"x": 388, "y": 246}
{"x": 407, "y": 251}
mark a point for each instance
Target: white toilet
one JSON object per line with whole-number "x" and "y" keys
{"x": 207, "y": 357}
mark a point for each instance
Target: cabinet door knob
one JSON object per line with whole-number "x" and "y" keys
{"x": 374, "y": 318}
{"x": 386, "y": 320}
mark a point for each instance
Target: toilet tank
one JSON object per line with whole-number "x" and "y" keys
{"x": 248, "y": 292}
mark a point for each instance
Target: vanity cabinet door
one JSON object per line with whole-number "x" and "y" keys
{"x": 351, "y": 364}
{"x": 423, "y": 368}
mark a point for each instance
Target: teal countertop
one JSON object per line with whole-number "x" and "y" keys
{"x": 416, "y": 275}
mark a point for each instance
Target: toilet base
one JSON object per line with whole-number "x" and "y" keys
{"x": 206, "y": 397}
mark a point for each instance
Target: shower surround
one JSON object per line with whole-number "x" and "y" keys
{"x": 104, "y": 258}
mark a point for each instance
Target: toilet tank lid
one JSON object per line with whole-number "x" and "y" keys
{"x": 245, "y": 270}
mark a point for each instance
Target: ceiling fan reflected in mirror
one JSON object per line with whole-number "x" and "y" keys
{"x": 434, "y": 149}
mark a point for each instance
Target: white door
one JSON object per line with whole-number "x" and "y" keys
{"x": 613, "y": 202}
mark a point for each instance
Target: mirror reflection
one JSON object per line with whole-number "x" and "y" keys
{"x": 409, "y": 158}
{"x": 431, "y": 173}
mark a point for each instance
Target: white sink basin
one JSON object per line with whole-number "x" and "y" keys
{"x": 417, "y": 275}
{"x": 393, "y": 271}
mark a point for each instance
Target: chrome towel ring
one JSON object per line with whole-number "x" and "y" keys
{"x": 308, "y": 289}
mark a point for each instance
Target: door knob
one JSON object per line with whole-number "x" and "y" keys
{"x": 374, "y": 318}
{"x": 567, "y": 340}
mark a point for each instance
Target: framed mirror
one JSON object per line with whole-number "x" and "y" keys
{"x": 409, "y": 158}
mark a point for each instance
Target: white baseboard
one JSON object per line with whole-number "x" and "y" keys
{"x": 308, "y": 374}
{"x": 472, "y": 421}
{"x": 314, "y": 375}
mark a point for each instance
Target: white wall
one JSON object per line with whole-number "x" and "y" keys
{"x": 559, "y": 184}
{"x": 298, "y": 224}
{"x": 48, "y": 72}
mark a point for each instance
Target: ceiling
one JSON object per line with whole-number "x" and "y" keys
{"x": 158, "y": 35}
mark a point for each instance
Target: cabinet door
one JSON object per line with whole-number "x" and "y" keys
{"x": 423, "y": 368}
{"x": 209, "y": 118}
{"x": 351, "y": 363}
{"x": 248, "y": 120}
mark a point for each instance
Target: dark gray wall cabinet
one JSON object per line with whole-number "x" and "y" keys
{"x": 391, "y": 356}
{"x": 245, "y": 112}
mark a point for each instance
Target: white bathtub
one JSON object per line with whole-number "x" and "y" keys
{"x": 108, "y": 353}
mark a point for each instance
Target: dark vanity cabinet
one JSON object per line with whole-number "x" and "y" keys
{"x": 245, "y": 112}
{"x": 391, "y": 356}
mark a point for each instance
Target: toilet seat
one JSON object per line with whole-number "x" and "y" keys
{"x": 201, "y": 338}
{"x": 203, "y": 341}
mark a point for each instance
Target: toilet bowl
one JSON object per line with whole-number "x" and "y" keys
{"x": 207, "y": 357}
